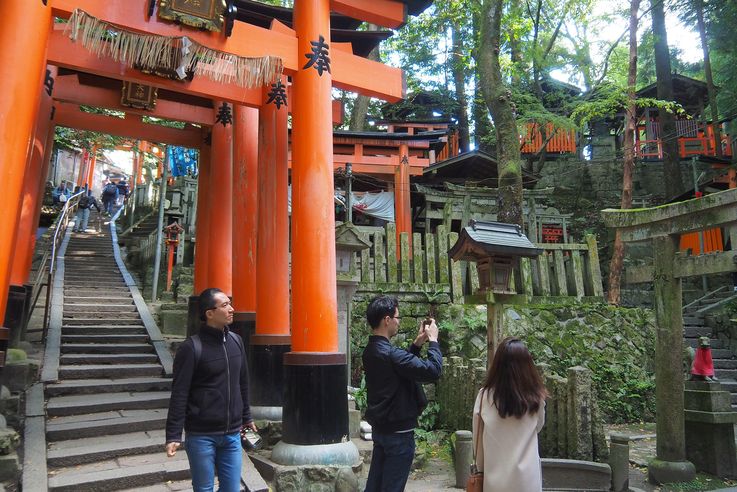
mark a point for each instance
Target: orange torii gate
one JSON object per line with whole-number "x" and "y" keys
{"x": 315, "y": 407}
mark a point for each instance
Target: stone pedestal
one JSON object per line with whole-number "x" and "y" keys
{"x": 463, "y": 457}
{"x": 619, "y": 461}
{"x": 710, "y": 423}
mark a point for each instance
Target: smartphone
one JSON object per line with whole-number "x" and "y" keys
{"x": 250, "y": 440}
{"x": 427, "y": 322}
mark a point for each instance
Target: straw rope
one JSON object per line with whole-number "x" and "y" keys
{"x": 176, "y": 54}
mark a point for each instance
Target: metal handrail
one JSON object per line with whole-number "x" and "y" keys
{"x": 61, "y": 225}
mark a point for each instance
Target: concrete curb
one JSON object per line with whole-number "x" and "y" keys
{"x": 154, "y": 334}
{"x": 52, "y": 349}
{"x": 34, "y": 442}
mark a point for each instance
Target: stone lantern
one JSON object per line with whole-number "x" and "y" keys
{"x": 496, "y": 248}
{"x": 347, "y": 242}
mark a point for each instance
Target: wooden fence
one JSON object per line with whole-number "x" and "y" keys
{"x": 563, "y": 270}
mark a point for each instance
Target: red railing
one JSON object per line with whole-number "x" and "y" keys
{"x": 687, "y": 146}
{"x": 562, "y": 141}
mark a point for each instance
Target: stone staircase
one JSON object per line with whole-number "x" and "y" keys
{"x": 694, "y": 326}
{"x": 107, "y": 412}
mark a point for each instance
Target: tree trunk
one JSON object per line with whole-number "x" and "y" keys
{"x": 498, "y": 98}
{"x": 361, "y": 104}
{"x": 479, "y": 109}
{"x": 459, "y": 79}
{"x": 630, "y": 122}
{"x": 699, "y": 6}
{"x": 672, "y": 181}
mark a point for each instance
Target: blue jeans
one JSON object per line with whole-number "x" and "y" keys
{"x": 83, "y": 215}
{"x": 390, "y": 461}
{"x": 209, "y": 453}
{"x": 108, "y": 204}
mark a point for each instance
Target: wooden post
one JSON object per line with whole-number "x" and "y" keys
{"x": 202, "y": 227}
{"x": 220, "y": 249}
{"x": 91, "y": 168}
{"x": 271, "y": 339}
{"x": 246, "y": 188}
{"x": 23, "y": 60}
{"x": 402, "y": 214}
{"x": 33, "y": 188}
{"x": 315, "y": 408}
{"x": 594, "y": 267}
{"x": 560, "y": 273}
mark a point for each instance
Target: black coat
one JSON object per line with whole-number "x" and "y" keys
{"x": 395, "y": 397}
{"x": 213, "y": 397}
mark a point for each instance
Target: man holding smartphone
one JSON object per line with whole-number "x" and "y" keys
{"x": 209, "y": 398}
{"x": 395, "y": 397}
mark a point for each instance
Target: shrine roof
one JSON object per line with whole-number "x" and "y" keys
{"x": 342, "y": 28}
{"x": 688, "y": 92}
{"x": 476, "y": 165}
{"x": 494, "y": 238}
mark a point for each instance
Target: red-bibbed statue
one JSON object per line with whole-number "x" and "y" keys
{"x": 702, "y": 368}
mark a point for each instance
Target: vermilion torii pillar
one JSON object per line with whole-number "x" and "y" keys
{"x": 91, "y": 168}
{"x": 315, "y": 407}
{"x": 220, "y": 247}
{"x": 402, "y": 205}
{"x": 202, "y": 238}
{"x": 22, "y": 69}
{"x": 271, "y": 340}
{"x": 245, "y": 218}
{"x": 37, "y": 167}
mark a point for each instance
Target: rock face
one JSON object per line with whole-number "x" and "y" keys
{"x": 315, "y": 479}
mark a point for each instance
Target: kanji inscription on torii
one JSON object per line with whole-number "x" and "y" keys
{"x": 225, "y": 115}
{"x": 49, "y": 82}
{"x": 319, "y": 58}
{"x": 277, "y": 95}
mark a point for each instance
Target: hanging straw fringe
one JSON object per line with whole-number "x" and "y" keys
{"x": 177, "y": 54}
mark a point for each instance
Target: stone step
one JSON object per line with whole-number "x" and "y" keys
{"x": 104, "y": 330}
{"x": 81, "y": 319}
{"x": 694, "y": 342}
{"x": 107, "y": 348}
{"x": 99, "y": 301}
{"x": 125, "y": 472}
{"x": 177, "y": 486}
{"x": 689, "y": 319}
{"x": 697, "y": 331}
{"x": 105, "y": 423}
{"x": 91, "y": 449}
{"x": 100, "y": 308}
{"x": 97, "y": 371}
{"x": 725, "y": 363}
{"x": 114, "y": 358}
{"x": 74, "y": 285}
{"x": 113, "y": 293}
{"x": 124, "y": 338}
{"x": 725, "y": 373}
{"x": 731, "y": 386}
{"x": 93, "y": 386}
{"x": 721, "y": 354}
{"x": 106, "y": 402}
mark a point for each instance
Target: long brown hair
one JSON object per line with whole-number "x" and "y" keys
{"x": 516, "y": 383}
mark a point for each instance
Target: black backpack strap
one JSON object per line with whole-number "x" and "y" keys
{"x": 197, "y": 345}
{"x": 238, "y": 341}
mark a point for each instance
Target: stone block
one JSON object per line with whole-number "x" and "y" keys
{"x": 9, "y": 468}
{"x": 173, "y": 321}
{"x": 561, "y": 474}
{"x": 18, "y": 376}
{"x": 580, "y": 442}
{"x": 619, "y": 456}
{"x": 354, "y": 423}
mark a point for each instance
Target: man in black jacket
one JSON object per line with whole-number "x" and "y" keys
{"x": 209, "y": 398}
{"x": 394, "y": 393}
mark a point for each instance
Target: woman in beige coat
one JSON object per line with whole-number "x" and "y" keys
{"x": 511, "y": 405}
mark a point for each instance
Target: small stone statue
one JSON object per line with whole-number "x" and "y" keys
{"x": 702, "y": 368}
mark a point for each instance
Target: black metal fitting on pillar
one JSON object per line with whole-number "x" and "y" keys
{"x": 15, "y": 312}
{"x": 266, "y": 369}
{"x": 315, "y": 407}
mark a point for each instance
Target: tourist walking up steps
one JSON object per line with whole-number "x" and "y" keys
{"x": 395, "y": 397}
{"x": 209, "y": 398}
{"x": 109, "y": 197}
{"x": 86, "y": 202}
{"x": 508, "y": 413}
